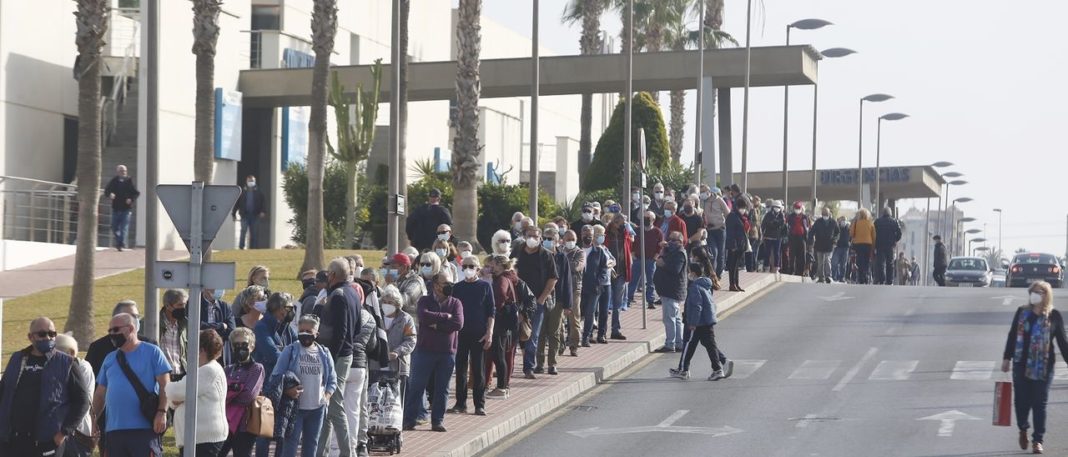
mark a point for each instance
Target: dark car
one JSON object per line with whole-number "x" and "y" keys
{"x": 1031, "y": 267}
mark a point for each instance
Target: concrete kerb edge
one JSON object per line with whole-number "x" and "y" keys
{"x": 531, "y": 413}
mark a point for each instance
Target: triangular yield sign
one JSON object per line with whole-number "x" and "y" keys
{"x": 218, "y": 202}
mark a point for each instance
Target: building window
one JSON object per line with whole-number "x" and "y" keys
{"x": 70, "y": 148}
{"x": 134, "y": 4}
{"x": 266, "y": 17}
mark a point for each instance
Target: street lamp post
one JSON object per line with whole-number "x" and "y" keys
{"x": 804, "y": 24}
{"x": 832, "y": 53}
{"x": 878, "y": 153}
{"x": 1000, "y": 246}
{"x": 953, "y": 235}
{"x": 698, "y": 153}
{"x": 957, "y": 245}
{"x": 535, "y": 155}
{"x": 941, "y": 216}
{"x": 974, "y": 240}
{"x": 874, "y": 98}
{"x": 745, "y": 103}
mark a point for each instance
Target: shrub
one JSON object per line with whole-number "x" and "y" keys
{"x": 295, "y": 188}
{"x": 606, "y": 170}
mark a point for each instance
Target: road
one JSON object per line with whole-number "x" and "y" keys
{"x": 823, "y": 370}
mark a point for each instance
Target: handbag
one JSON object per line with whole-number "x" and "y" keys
{"x": 1002, "y": 404}
{"x": 525, "y": 329}
{"x": 148, "y": 402}
{"x": 260, "y": 418}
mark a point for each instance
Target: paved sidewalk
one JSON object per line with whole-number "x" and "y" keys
{"x": 531, "y": 399}
{"x": 60, "y": 272}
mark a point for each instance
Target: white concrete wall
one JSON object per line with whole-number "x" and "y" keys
{"x": 18, "y": 254}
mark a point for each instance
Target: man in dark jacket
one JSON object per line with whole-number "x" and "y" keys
{"x": 339, "y": 327}
{"x": 554, "y": 317}
{"x": 823, "y": 236}
{"x": 422, "y": 225}
{"x": 122, "y": 192}
{"x": 887, "y": 234}
{"x": 670, "y": 282}
{"x": 250, "y": 205}
{"x": 840, "y": 257}
{"x": 43, "y": 397}
{"x": 941, "y": 261}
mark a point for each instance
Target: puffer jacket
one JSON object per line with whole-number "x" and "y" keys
{"x": 401, "y": 336}
{"x": 368, "y": 330}
{"x": 862, "y": 232}
{"x": 700, "y": 309}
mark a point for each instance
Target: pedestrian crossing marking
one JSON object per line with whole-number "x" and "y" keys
{"x": 894, "y": 370}
{"x": 816, "y": 370}
{"x": 745, "y": 368}
{"x": 973, "y": 370}
{"x": 1060, "y": 372}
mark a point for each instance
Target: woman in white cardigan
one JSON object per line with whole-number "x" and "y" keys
{"x": 212, "y": 427}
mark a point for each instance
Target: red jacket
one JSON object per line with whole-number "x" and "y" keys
{"x": 621, "y": 249}
{"x": 676, "y": 224}
{"x": 653, "y": 238}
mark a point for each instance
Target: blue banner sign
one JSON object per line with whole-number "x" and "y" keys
{"x": 846, "y": 177}
{"x": 227, "y": 124}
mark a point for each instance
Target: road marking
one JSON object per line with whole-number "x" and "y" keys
{"x": 807, "y": 420}
{"x": 948, "y": 421}
{"x": 745, "y": 368}
{"x": 665, "y": 426}
{"x": 836, "y": 297}
{"x": 973, "y": 370}
{"x": 853, "y": 371}
{"x": 816, "y": 369}
{"x": 894, "y": 370}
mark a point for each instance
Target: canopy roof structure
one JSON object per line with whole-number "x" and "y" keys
{"x": 841, "y": 184}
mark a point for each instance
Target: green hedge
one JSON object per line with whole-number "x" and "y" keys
{"x": 606, "y": 170}
{"x": 295, "y": 189}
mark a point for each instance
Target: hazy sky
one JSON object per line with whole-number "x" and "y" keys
{"x": 986, "y": 84}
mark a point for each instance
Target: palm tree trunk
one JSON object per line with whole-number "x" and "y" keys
{"x": 585, "y": 155}
{"x": 403, "y": 127}
{"x": 590, "y": 43}
{"x": 205, "y": 38}
{"x": 92, "y": 18}
{"x": 351, "y": 170}
{"x": 466, "y": 150}
{"x": 678, "y": 123}
{"x": 324, "y": 29}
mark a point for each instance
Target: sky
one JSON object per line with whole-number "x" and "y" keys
{"x": 985, "y": 83}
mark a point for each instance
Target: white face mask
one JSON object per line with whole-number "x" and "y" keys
{"x": 705, "y": 195}
{"x": 548, "y": 245}
{"x": 426, "y": 271}
{"x": 600, "y": 239}
{"x": 470, "y": 274}
{"x": 389, "y": 309}
{"x": 569, "y": 245}
{"x": 586, "y": 217}
{"x": 518, "y": 225}
{"x": 797, "y": 211}
{"x": 443, "y": 237}
{"x": 1036, "y": 299}
{"x": 260, "y": 306}
{"x": 659, "y": 194}
{"x": 251, "y": 184}
{"x": 532, "y": 243}
{"x": 636, "y": 196}
{"x": 704, "y": 243}
{"x": 465, "y": 254}
{"x": 441, "y": 252}
{"x": 356, "y": 272}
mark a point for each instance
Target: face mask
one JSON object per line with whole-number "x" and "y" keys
{"x": 705, "y": 195}
{"x": 470, "y": 274}
{"x": 615, "y": 209}
{"x": 441, "y": 252}
{"x": 178, "y": 313}
{"x": 251, "y": 184}
{"x": 743, "y": 212}
{"x": 392, "y": 272}
{"x": 548, "y": 245}
{"x": 659, "y": 195}
{"x": 600, "y": 239}
{"x": 290, "y": 315}
{"x": 44, "y": 346}
{"x": 518, "y": 226}
{"x": 218, "y": 295}
{"x": 426, "y": 271}
{"x": 242, "y": 354}
{"x": 586, "y": 217}
{"x": 532, "y": 243}
{"x": 306, "y": 339}
{"x": 645, "y": 206}
{"x": 465, "y": 254}
{"x": 446, "y": 290}
{"x": 636, "y": 196}
{"x": 1036, "y": 299}
{"x": 797, "y": 211}
{"x": 265, "y": 283}
{"x": 587, "y": 240}
{"x": 443, "y": 236}
{"x": 260, "y": 306}
{"x": 675, "y": 243}
{"x": 307, "y": 283}
{"x": 117, "y": 340}
{"x": 569, "y": 245}
{"x": 825, "y": 217}
{"x": 389, "y": 309}
{"x": 668, "y": 213}
{"x": 774, "y": 209}
{"x": 357, "y": 272}
{"x": 687, "y": 210}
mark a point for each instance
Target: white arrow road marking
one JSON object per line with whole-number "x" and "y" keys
{"x": 948, "y": 420}
{"x": 665, "y": 426}
{"x": 853, "y": 371}
{"x": 836, "y": 297}
{"x": 1006, "y": 300}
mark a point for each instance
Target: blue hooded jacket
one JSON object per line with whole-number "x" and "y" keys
{"x": 700, "y": 309}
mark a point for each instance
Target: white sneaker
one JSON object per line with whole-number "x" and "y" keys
{"x": 716, "y": 375}
{"x": 679, "y": 374}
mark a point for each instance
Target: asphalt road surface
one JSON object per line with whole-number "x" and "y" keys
{"x": 822, "y": 370}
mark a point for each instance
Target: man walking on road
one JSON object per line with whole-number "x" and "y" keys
{"x": 339, "y": 324}
{"x": 422, "y": 225}
{"x": 122, "y": 192}
{"x": 887, "y": 234}
{"x": 941, "y": 262}
{"x": 824, "y": 235}
{"x": 536, "y": 267}
{"x": 250, "y": 205}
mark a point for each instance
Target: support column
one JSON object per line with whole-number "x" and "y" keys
{"x": 726, "y": 151}
{"x": 708, "y": 132}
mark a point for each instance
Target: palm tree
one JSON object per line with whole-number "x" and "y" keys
{"x": 92, "y": 18}
{"x": 205, "y": 37}
{"x": 324, "y": 29}
{"x": 465, "y": 147}
{"x": 405, "y": 10}
{"x": 993, "y": 258}
{"x": 355, "y": 137}
{"x": 588, "y": 12}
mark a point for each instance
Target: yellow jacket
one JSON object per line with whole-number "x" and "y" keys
{"x": 862, "y": 232}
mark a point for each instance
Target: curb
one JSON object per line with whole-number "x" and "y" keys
{"x": 531, "y": 413}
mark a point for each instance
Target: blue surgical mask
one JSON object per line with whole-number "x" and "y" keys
{"x": 219, "y": 294}
{"x": 393, "y": 273}
{"x": 600, "y": 239}
{"x": 426, "y": 271}
{"x": 44, "y": 346}
{"x": 548, "y": 245}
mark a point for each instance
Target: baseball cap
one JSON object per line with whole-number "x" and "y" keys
{"x": 401, "y": 259}
{"x": 435, "y": 192}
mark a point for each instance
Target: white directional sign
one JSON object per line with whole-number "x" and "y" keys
{"x": 175, "y": 275}
{"x": 218, "y": 202}
{"x": 665, "y": 426}
{"x": 836, "y": 297}
{"x": 948, "y": 421}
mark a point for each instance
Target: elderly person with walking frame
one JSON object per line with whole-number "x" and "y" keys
{"x": 1029, "y": 355}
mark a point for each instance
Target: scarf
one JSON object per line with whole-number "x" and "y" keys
{"x": 1038, "y": 350}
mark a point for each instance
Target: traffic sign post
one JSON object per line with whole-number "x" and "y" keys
{"x": 197, "y": 211}
{"x": 641, "y": 234}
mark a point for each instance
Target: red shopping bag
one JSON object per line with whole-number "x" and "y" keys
{"x": 1003, "y": 403}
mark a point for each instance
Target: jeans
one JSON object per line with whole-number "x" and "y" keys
{"x": 650, "y": 268}
{"x": 884, "y": 266}
{"x": 308, "y": 423}
{"x": 425, "y": 363}
{"x": 550, "y": 336}
{"x": 469, "y": 354}
{"x": 594, "y": 299}
{"x": 839, "y": 261}
{"x": 356, "y": 404}
{"x": 120, "y": 223}
{"x": 336, "y": 420}
{"x": 619, "y": 284}
{"x": 672, "y": 322}
{"x": 248, "y": 224}
{"x": 774, "y": 248}
{"x": 705, "y": 336}
{"x": 752, "y": 256}
{"x": 823, "y": 265}
{"x": 530, "y": 347}
{"x": 1031, "y": 397}
{"x": 863, "y": 262}
{"x": 717, "y": 247}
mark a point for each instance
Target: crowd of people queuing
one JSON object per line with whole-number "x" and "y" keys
{"x": 434, "y": 310}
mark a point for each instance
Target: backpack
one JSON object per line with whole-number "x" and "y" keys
{"x": 527, "y": 301}
{"x": 797, "y": 225}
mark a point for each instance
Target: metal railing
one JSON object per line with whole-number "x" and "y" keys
{"x": 44, "y": 211}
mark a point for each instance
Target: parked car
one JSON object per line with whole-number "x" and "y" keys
{"x": 968, "y": 272}
{"x": 1035, "y": 266}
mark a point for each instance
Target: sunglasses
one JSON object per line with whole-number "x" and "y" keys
{"x": 443, "y": 233}
{"x": 45, "y": 334}
{"x": 426, "y": 264}
{"x": 116, "y": 330}
{"x": 470, "y": 267}
{"x": 547, "y": 238}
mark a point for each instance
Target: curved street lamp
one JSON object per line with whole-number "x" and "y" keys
{"x": 803, "y": 24}
{"x": 874, "y": 98}
{"x": 963, "y": 200}
{"x": 878, "y": 151}
{"x": 942, "y": 164}
{"x": 832, "y": 53}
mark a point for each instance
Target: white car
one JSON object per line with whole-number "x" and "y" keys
{"x": 968, "y": 272}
